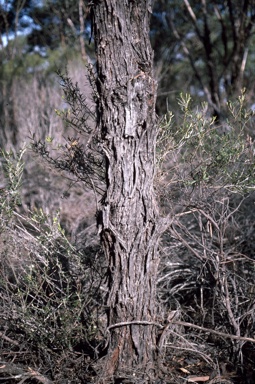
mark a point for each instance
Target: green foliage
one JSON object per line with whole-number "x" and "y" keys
{"x": 49, "y": 289}
{"x": 58, "y": 21}
{"x": 206, "y": 185}
{"x": 47, "y": 24}
{"x": 54, "y": 304}
{"x": 13, "y": 167}
{"x": 19, "y": 63}
{"x": 209, "y": 155}
{"x": 85, "y": 162}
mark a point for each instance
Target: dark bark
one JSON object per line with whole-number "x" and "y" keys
{"x": 126, "y": 115}
{"x": 241, "y": 33}
{"x": 215, "y": 37}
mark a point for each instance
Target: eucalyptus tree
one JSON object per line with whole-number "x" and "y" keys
{"x": 59, "y": 24}
{"x": 128, "y": 215}
{"x": 205, "y": 48}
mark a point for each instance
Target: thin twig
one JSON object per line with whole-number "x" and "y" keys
{"x": 8, "y": 339}
{"x": 223, "y": 334}
{"x": 16, "y": 372}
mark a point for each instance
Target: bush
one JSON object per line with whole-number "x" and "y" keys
{"x": 50, "y": 294}
{"x": 206, "y": 186}
{"x": 52, "y": 281}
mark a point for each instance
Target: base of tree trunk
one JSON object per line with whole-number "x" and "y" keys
{"x": 111, "y": 373}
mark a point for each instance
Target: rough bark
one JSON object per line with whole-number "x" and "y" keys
{"x": 126, "y": 115}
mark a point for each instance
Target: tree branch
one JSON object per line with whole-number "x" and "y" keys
{"x": 223, "y": 334}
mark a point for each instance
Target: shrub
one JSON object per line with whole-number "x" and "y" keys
{"x": 50, "y": 293}
{"x": 206, "y": 183}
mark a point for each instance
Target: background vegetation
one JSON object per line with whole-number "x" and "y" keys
{"x": 52, "y": 286}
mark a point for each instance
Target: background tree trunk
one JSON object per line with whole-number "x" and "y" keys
{"x": 126, "y": 113}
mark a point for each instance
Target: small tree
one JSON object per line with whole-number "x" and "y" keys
{"x": 128, "y": 215}
{"x": 125, "y": 137}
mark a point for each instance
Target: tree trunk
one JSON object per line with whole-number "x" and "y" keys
{"x": 126, "y": 115}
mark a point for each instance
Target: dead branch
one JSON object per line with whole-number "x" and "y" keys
{"x": 20, "y": 373}
{"x": 223, "y": 334}
{"x": 8, "y": 339}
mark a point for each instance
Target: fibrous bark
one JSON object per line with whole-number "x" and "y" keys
{"x": 126, "y": 115}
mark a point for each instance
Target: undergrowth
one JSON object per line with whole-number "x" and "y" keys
{"x": 52, "y": 290}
